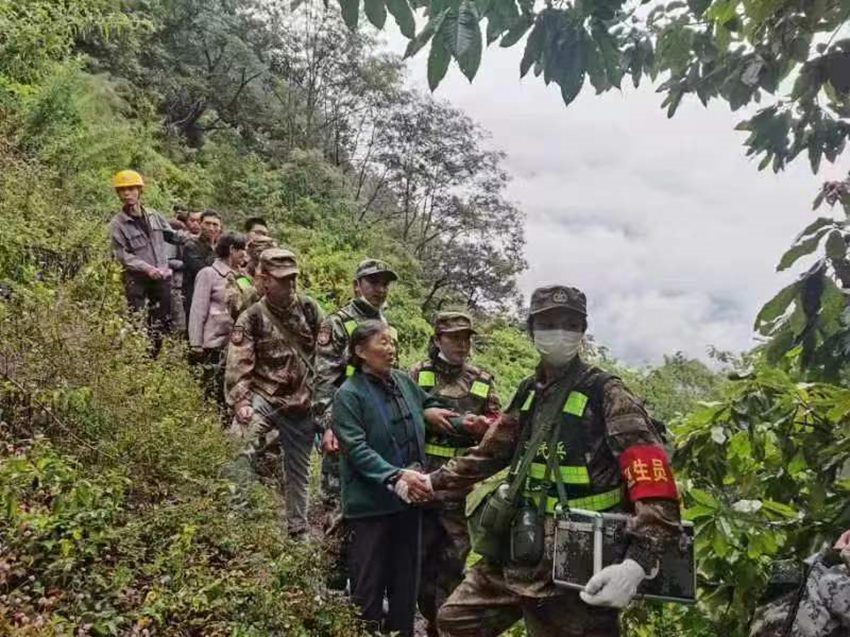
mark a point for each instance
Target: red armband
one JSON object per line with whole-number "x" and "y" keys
{"x": 646, "y": 471}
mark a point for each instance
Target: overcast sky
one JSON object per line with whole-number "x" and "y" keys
{"x": 665, "y": 224}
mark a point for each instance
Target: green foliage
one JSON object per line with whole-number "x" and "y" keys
{"x": 807, "y": 321}
{"x": 762, "y": 476}
{"x": 739, "y": 52}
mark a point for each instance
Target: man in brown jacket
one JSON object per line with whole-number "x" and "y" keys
{"x": 270, "y": 375}
{"x": 138, "y": 235}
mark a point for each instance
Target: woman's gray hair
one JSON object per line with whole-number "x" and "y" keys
{"x": 361, "y": 334}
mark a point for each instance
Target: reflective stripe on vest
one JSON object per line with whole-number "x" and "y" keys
{"x": 569, "y": 474}
{"x": 480, "y": 389}
{"x": 529, "y": 399}
{"x": 441, "y": 451}
{"x": 350, "y": 326}
{"x": 427, "y": 378}
{"x": 244, "y": 282}
{"x": 349, "y": 371}
{"x": 598, "y": 502}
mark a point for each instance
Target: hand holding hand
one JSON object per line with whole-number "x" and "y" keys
{"x": 477, "y": 425}
{"x": 244, "y": 413}
{"x": 413, "y": 486}
{"x": 614, "y": 586}
{"x": 438, "y": 418}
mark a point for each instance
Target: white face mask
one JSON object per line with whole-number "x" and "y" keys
{"x": 557, "y": 347}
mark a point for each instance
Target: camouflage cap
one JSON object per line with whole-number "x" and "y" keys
{"x": 553, "y": 297}
{"x": 447, "y": 322}
{"x": 278, "y": 263}
{"x": 368, "y": 267}
{"x": 257, "y": 245}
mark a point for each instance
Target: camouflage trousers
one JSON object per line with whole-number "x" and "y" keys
{"x": 445, "y": 547}
{"x": 484, "y": 606}
{"x": 294, "y": 437}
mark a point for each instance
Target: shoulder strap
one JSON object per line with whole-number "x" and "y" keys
{"x": 310, "y": 314}
{"x": 279, "y": 324}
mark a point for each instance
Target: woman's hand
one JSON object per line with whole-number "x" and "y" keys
{"x": 438, "y": 418}
{"x": 412, "y": 486}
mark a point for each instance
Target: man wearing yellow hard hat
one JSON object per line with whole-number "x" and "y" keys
{"x": 138, "y": 235}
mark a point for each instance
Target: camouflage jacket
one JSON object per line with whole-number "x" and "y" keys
{"x": 239, "y": 294}
{"x": 614, "y": 449}
{"x": 332, "y": 349}
{"x": 466, "y": 389}
{"x": 272, "y": 354}
{"x": 824, "y": 607}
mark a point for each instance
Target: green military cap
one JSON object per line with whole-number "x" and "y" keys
{"x": 368, "y": 267}
{"x": 446, "y": 322}
{"x": 278, "y": 263}
{"x": 257, "y": 245}
{"x": 552, "y": 297}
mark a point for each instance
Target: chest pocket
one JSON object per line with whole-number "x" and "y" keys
{"x": 136, "y": 240}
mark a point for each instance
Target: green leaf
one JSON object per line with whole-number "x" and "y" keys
{"x": 350, "y": 12}
{"x": 465, "y": 43}
{"x": 780, "y": 509}
{"x": 424, "y": 36}
{"x": 698, "y": 7}
{"x": 400, "y": 11}
{"x": 376, "y": 11}
{"x": 703, "y": 497}
{"x": 776, "y": 306}
{"x": 609, "y": 52}
{"x": 801, "y": 249}
{"x": 835, "y": 247}
{"x": 698, "y": 511}
{"x": 594, "y": 65}
{"x": 438, "y": 63}
{"x": 533, "y": 48}
{"x": 515, "y": 33}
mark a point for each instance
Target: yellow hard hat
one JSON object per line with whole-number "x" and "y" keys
{"x": 127, "y": 179}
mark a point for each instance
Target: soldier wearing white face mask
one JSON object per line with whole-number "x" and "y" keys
{"x": 583, "y": 441}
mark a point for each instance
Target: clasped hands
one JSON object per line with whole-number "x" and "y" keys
{"x": 413, "y": 487}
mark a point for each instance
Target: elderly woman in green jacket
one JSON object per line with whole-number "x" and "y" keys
{"x": 380, "y": 417}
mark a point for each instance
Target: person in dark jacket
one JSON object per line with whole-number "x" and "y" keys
{"x": 379, "y": 417}
{"x": 199, "y": 253}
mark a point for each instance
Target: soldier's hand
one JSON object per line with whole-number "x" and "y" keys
{"x": 476, "y": 425}
{"x": 439, "y": 419}
{"x": 244, "y": 413}
{"x": 330, "y": 443}
{"x": 614, "y": 586}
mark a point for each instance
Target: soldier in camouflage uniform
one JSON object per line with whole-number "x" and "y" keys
{"x": 371, "y": 285}
{"x": 615, "y": 461}
{"x": 270, "y": 375}
{"x": 814, "y": 602}
{"x": 241, "y": 291}
{"x": 467, "y": 390}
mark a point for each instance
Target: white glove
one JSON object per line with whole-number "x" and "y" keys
{"x": 614, "y": 586}
{"x": 401, "y": 488}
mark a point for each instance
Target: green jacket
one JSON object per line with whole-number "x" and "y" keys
{"x": 369, "y": 454}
